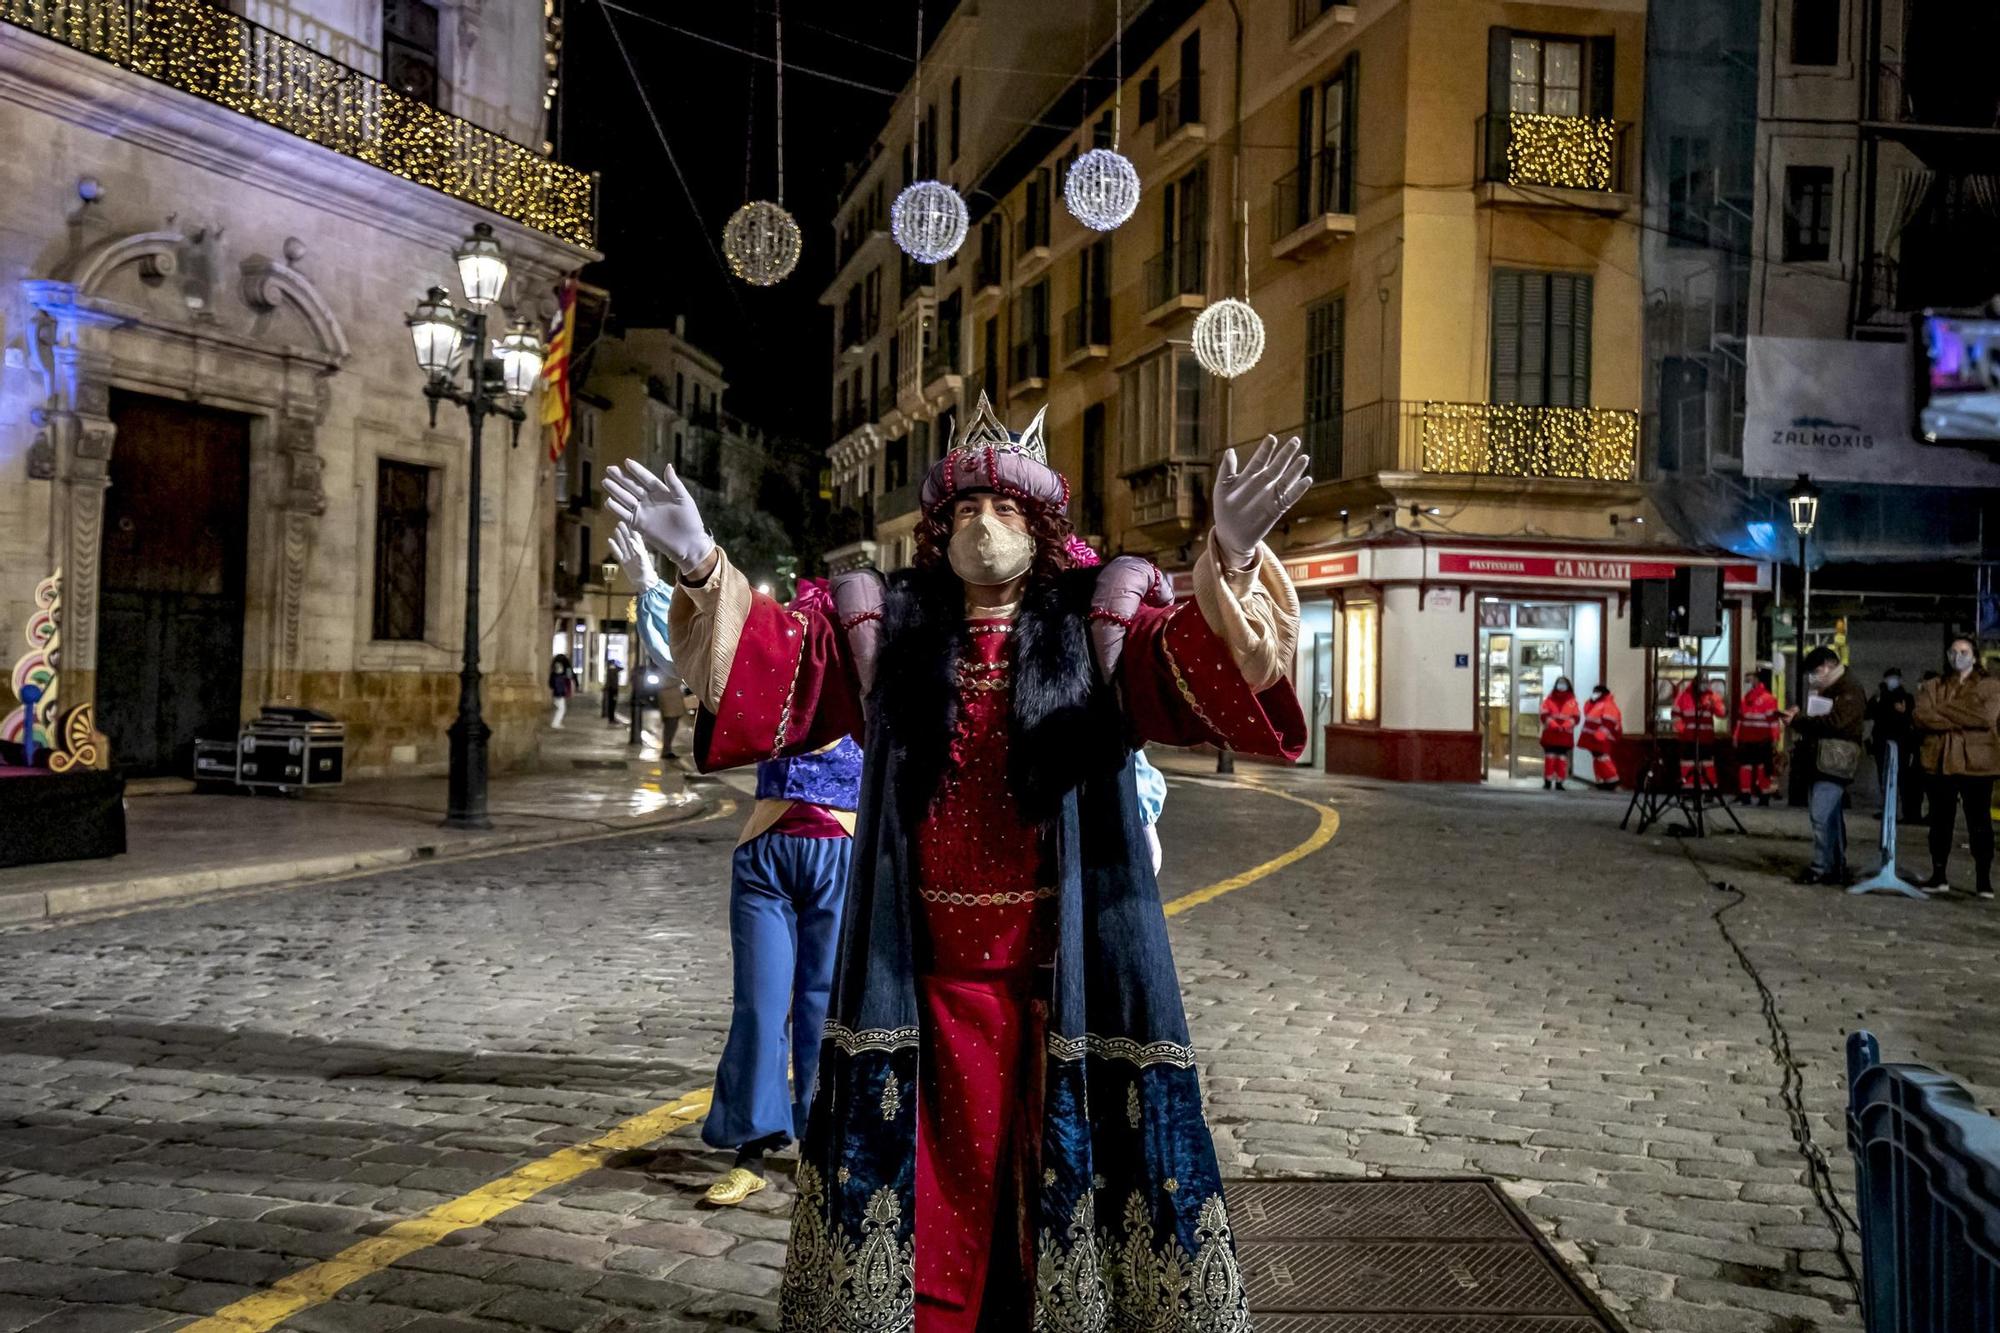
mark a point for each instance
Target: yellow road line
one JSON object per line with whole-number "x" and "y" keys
{"x": 1329, "y": 824}
{"x": 323, "y": 1281}
{"x": 319, "y": 1284}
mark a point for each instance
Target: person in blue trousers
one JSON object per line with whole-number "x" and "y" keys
{"x": 787, "y": 885}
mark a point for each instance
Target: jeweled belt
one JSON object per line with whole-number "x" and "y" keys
{"x": 1011, "y": 898}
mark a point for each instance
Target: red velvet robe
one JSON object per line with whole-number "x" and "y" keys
{"x": 986, "y": 937}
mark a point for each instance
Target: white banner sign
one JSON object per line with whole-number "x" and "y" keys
{"x": 1840, "y": 411}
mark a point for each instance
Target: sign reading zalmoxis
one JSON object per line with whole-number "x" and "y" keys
{"x": 1840, "y": 411}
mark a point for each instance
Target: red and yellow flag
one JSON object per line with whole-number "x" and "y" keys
{"x": 555, "y": 369}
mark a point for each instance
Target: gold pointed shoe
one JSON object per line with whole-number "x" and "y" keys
{"x": 734, "y": 1188}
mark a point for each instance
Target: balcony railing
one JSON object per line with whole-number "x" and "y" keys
{"x": 940, "y": 361}
{"x": 897, "y": 501}
{"x": 1032, "y": 233}
{"x": 1556, "y": 152}
{"x": 1169, "y": 493}
{"x": 1087, "y": 326}
{"x": 1180, "y": 107}
{"x": 1180, "y": 271}
{"x": 1031, "y": 359}
{"x": 207, "y": 51}
{"x": 1320, "y": 186}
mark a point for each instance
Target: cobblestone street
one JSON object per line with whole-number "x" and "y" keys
{"x": 200, "y": 1101}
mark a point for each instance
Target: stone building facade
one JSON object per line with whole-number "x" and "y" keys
{"x": 211, "y": 421}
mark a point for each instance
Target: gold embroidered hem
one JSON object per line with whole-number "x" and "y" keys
{"x": 1010, "y": 899}
{"x": 1091, "y": 1281}
{"x": 834, "y": 1286}
{"x": 1142, "y": 1054}
{"x": 879, "y": 1040}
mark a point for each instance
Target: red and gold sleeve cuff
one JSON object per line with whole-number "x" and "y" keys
{"x": 1183, "y": 687}
{"x": 790, "y": 690}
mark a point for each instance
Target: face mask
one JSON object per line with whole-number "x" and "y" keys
{"x": 1562, "y": 687}
{"x": 986, "y": 552}
{"x": 1961, "y": 661}
{"x": 1892, "y": 682}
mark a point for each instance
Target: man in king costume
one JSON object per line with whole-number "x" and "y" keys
{"x": 1008, "y": 1130}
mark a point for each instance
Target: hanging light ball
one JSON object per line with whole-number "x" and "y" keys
{"x": 761, "y": 242}
{"x": 1102, "y": 189}
{"x": 928, "y": 221}
{"x": 1228, "y": 338}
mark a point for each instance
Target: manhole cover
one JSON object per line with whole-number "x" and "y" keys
{"x": 1400, "y": 1256}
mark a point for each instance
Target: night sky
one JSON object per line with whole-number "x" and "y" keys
{"x": 772, "y": 342}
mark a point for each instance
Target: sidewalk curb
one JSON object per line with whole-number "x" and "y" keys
{"x": 115, "y": 895}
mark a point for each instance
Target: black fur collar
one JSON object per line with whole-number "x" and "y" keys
{"x": 1066, "y": 725}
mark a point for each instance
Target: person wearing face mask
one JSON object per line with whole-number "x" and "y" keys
{"x": 1560, "y": 716}
{"x": 1757, "y": 728}
{"x": 1831, "y": 722}
{"x": 1891, "y": 720}
{"x": 1603, "y": 724}
{"x": 1006, "y": 1086}
{"x": 1957, "y": 715}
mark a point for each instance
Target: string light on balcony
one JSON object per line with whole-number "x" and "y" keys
{"x": 761, "y": 241}
{"x": 928, "y": 219}
{"x": 1565, "y": 152}
{"x": 1518, "y": 440}
{"x": 205, "y": 50}
{"x": 1228, "y": 338}
{"x": 1102, "y": 188}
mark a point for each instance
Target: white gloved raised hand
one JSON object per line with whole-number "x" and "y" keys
{"x": 660, "y": 510}
{"x": 630, "y": 548}
{"x": 1250, "y": 500}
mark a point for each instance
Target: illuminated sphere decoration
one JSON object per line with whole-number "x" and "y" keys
{"x": 928, "y": 221}
{"x": 1228, "y": 338}
{"x": 761, "y": 242}
{"x": 1102, "y": 189}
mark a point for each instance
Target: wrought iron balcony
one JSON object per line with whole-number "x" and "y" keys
{"x": 1553, "y": 152}
{"x": 1087, "y": 330}
{"x": 1176, "y": 279}
{"x": 1180, "y": 109}
{"x": 215, "y": 55}
{"x": 1031, "y": 359}
{"x": 1169, "y": 498}
{"x": 898, "y": 501}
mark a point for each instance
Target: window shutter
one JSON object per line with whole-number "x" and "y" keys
{"x": 1499, "y": 64}
{"x": 1506, "y": 304}
{"x": 1534, "y": 342}
{"x": 1583, "y": 286}
{"x": 1499, "y": 57}
{"x": 1350, "y": 86}
{"x": 1562, "y": 307}
{"x": 1301, "y": 206}
{"x": 1603, "y": 77}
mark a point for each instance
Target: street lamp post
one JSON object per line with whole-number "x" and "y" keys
{"x": 447, "y": 340}
{"x": 1803, "y": 502}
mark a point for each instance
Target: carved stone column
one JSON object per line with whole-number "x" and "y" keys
{"x": 301, "y": 502}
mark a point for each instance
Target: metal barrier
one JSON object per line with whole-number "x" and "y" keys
{"x": 1927, "y": 1193}
{"x": 1888, "y": 879}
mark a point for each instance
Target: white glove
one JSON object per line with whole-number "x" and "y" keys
{"x": 1250, "y": 501}
{"x": 660, "y": 510}
{"x": 1153, "y": 842}
{"x": 631, "y": 551}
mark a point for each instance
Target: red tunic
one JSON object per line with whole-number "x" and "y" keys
{"x": 987, "y": 914}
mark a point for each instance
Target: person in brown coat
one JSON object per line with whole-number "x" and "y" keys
{"x": 1958, "y": 716}
{"x": 1832, "y": 722}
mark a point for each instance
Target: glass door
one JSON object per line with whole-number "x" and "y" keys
{"x": 1538, "y": 663}
{"x": 1496, "y": 701}
{"x": 1322, "y": 697}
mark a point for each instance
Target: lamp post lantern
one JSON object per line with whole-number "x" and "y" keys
{"x": 498, "y": 377}
{"x": 1803, "y": 502}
